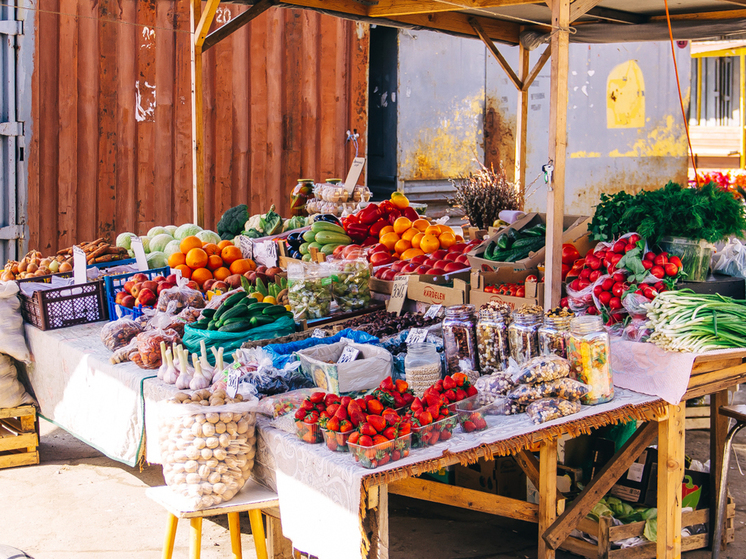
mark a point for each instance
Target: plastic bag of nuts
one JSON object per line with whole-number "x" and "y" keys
{"x": 149, "y": 347}
{"x": 208, "y": 444}
{"x": 569, "y": 389}
{"x": 117, "y": 334}
{"x": 544, "y": 368}
{"x": 548, "y": 409}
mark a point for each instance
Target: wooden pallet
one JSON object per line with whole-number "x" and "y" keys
{"x": 19, "y": 437}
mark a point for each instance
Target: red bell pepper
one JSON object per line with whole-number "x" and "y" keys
{"x": 370, "y": 214}
{"x": 349, "y": 220}
{"x": 386, "y": 207}
{"x": 393, "y": 216}
{"x": 375, "y": 229}
{"x": 410, "y": 213}
{"x": 357, "y": 232}
{"x": 370, "y": 241}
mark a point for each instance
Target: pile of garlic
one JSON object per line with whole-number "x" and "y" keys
{"x": 207, "y": 451}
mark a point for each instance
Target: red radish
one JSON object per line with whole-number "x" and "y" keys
{"x": 595, "y": 274}
{"x": 661, "y": 259}
{"x": 583, "y": 283}
{"x": 615, "y": 303}
{"x": 585, "y": 273}
{"x": 619, "y": 277}
{"x": 564, "y": 302}
{"x": 604, "y": 297}
{"x": 574, "y": 285}
{"x": 592, "y": 310}
{"x": 598, "y": 290}
{"x": 650, "y": 293}
{"x": 619, "y": 247}
{"x": 660, "y": 286}
{"x": 607, "y": 284}
{"x": 650, "y": 256}
{"x": 593, "y": 262}
{"x": 671, "y": 269}
{"x": 658, "y": 272}
{"x": 615, "y": 258}
{"x": 675, "y": 260}
{"x": 630, "y": 247}
{"x": 647, "y": 264}
{"x": 618, "y": 289}
{"x": 633, "y": 238}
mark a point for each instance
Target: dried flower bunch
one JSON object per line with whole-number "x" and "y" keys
{"x": 484, "y": 194}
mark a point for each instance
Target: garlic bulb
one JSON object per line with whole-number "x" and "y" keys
{"x": 164, "y": 363}
{"x": 198, "y": 382}
{"x": 218, "y": 371}
{"x": 207, "y": 369}
{"x": 171, "y": 375}
{"x": 185, "y": 377}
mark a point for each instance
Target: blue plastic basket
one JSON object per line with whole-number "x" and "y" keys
{"x": 113, "y": 284}
{"x": 102, "y": 265}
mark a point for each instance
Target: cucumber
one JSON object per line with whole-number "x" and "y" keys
{"x": 304, "y": 248}
{"x": 328, "y": 237}
{"x": 319, "y": 226}
{"x": 261, "y": 320}
{"x": 309, "y": 236}
{"x": 527, "y": 242}
{"x": 315, "y": 245}
{"x": 208, "y": 313}
{"x": 306, "y": 258}
{"x": 228, "y": 304}
{"x": 236, "y": 327}
{"x": 212, "y": 325}
{"x": 274, "y": 310}
{"x": 236, "y": 311}
{"x": 329, "y": 249}
{"x": 235, "y": 319}
{"x": 199, "y": 325}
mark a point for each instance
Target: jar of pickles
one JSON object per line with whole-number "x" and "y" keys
{"x": 553, "y": 332}
{"x": 492, "y": 342}
{"x": 590, "y": 358}
{"x": 302, "y": 192}
{"x": 523, "y": 333}
{"x": 459, "y": 338}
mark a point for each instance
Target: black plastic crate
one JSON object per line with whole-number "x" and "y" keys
{"x": 61, "y": 307}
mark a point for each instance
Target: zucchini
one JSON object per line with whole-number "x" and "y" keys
{"x": 236, "y": 326}
{"x": 315, "y": 245}
{"x": 328, "y": 237}
{"x": 304, "y": 248}
{"x": 329, "y": 249}
{"x": 319, "y": 226}
{"x": 309, "y": 236}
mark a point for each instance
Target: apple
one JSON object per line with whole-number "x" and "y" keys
{"x": 422, "y": 269}
{"x": 171, "y": 278}
{"x": 220, "y": 286}
{"x": 128, "y": 301}
{"x": 163, "y": 286}
{"x": 207, "y": 286}
{"x": 440, "y": 265}
{"x": 453, "y": 267}
{"x": 451, "y": 256}
{"x": 139, "y": 278}
{"x": 192, "y": 285}
{"x": 439, "y": 254}
{"x": 135, "y": 289}
{"x": 146, "y": 298}
{"x": 419, "y": 259}
{"x": 399, "y": 265}
{"x": 120, "y": 296}
{"x": 463, "y": 259}
{"x": 458, "y": 247}
{"x": 409, "y": 268}
{"x": 430, "y": 262}
{"x": 388, "y": 275}
{"x": 433, "y": 272}
{"x": 150, "y": 285}
{"x": 159, "y": 279}
{"x": 128, "y": 286}
{"x": 261, "y": 269}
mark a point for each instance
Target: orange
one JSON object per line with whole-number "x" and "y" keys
{"x": 188, "y": 243}
{"x": 223, "y": 244}
{"x": 411, "y": 253}
{"x": 211, "y": 248}
{"x": 429, "y": 244}
{"x": 230, "y": 254}
{"x": 447, "y": 239}
{"x": 214, "y": 262}
{"x": 433, "y": 230}
{"x": 201, "y": 275}
{"x": 221, "y": 273}
{"x": 389, "y": 240}
{"x": 241, "y": 266}
{"x": 186, "y": 271}
{"x": 176, "y": 259}
{"x": 401, "y": 224}
{"x": 417, "y": 239}
{"x": 445, "y": 229}
{"x": 196, "y": 258}
{"x": 459, "y": 239}
{"x": 402, "y": 245}
{"x": 409, "y": 234}
{"x": 421, "y": 224}
{"x": 383, "y": 231}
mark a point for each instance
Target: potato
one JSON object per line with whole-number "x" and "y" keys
{"x": 199, "y": 443}
{"x": 212, "y": 417}
{"x": 212, "y": 442}
{"x": 220, "y": 427}
{"x": 206, "y": 453}
{"x": 208, "y": 430}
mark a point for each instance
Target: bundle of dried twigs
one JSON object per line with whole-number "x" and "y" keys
{"x": 484, "y": 194}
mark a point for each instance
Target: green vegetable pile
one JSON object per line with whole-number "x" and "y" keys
{"x": 263, "y": 225}
{"x": 626, "y": 514}
{"x": 231, "y": 224}
{"x": 513, "y": 245}
{"x": 707, "y": 213}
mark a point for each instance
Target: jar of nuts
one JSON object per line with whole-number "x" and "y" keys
{"x": 523, "y": 333}
{"x": 492, "y": 342}
{"x": 459, "y": 338}
{"x": 552, "y": 334}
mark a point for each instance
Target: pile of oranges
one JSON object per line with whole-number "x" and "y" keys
{"x": 407, "y": 239}
{"x": 203, "y": 261}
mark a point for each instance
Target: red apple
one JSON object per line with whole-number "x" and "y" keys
{"x": 150, "y": 285}
{"x": 463, "y": 259}
{"x": 409, "y": 268}
{"x": 207, "y": 286}
{"x": 135, "y": 289}
{"x": 192, "y": 285}
{"x": 399, "y": 265}
{"x": 458, "y": 247}
{"x": 430, "y": 262}
{"x": 128, "y": 286}
{"x": 146, "y": 298}
{"x": 128, "y": 301}
{"x": 453, "y": 267}
{"x": 439, "y": 254}
{"x": 163, "y": 286}
{"x": 433, "y": 272}
{"x": 423, "y": 269}
{"x": 419, "y": 260}
{"x": 261, "y": 269}
{"x": 159, "y": 279}
{"x": 388, "y": 275}
{"x": 120, "y": 296}
{"x": 451, "y": 256}
{"x": 139, "y": 278}
{"x": 220, "y": 285}
{"x": 171, "y": 278}
{"x": 440, "y": 265}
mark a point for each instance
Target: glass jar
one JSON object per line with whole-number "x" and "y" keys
{"x": 492, "y": 342}
{"x": 552, "y": 335}
{"x": 459, "y": 338}
{"x": 590, "y": 358}
{"x": 523, "y": 336}
{"x": 302, "y": 192}
{"x": 421, "y": 367}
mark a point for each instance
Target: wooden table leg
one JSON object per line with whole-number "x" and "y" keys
{"x": 670, "y": 474}
{"x": 234, "y": 527}
{"x": 257, "y": 530}
{"x": 168, "y": 544}
{"x": 718, "y": 432}
{"x": 383, "y": 522}
{"x": 547, "y": 494}
{"x": 195, "y": 538}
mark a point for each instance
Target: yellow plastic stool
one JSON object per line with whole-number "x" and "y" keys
{"x": 252, "y": 498}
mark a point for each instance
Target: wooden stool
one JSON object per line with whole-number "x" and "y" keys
{"x": 252, "y": 498}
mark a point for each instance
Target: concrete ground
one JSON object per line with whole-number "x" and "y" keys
{"x": 77, "y": 503}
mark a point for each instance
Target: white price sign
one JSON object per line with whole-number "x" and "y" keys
{"x": 265, "y": 253}
{"x": 80, "y": 265}
{"x": 433, "y": 311}
{"x": 318, "y": 333}
{"x": 348, "y": 354}
{"x": 137, "y": 248}
{"x": 246, "y": 244}
{"x": 416, "y": 335}
{"x": 355, "y": 170}
{"x": 398, "y": 294}
{"x": 231, "y": 388}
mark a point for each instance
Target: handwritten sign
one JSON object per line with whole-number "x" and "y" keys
{"x": 433, "y": 311}
{"x": 79, "y": 265}
{"x": 137, "y": 248}
{"x": 265, "y": 253}
{"x": 416, "y": 335}
{"x": 355, "y": 170}
{"x": 231, "y": 384}
{"x": 349, "y": 354}
{"x": 246, "y": 244}
{"x": 318, "y": 333}
{"x": 398, "y": 294}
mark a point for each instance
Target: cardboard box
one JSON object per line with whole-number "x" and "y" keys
{"x": 479, "y": 280}
{"x": 574, "y": 228}
{"x": 501, "y": 476}
{"x": 447, "y": 290}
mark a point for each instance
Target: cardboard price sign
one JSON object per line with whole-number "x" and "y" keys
{"x": 398, "y": 294}
{"x": 416, "y": 335}
{"x": 355, "y": 170}
{"x": 246, "y": 244}
{"x": 80, "y": 265}
{"x": 318, "y": 333}
{"x": 433, "y": 311}
{"x": 349, "y": 354}
{"x": 231, "y": 384}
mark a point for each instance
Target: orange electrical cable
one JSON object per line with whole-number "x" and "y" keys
{"x": 681, "y": 98}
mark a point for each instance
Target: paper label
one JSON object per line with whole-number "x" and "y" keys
{"x": 231, "y": 384}
{"x": 398, "y": 294}
{"x": 433, "y": 311}
{"x": 265, "y": 253}
{"x": 246, "y": 244}
{"x": 416, "y": 335}
{"x": 355, "y": 170}
{"x": 318, "y": 333}
{"x": 635, "y": 472}
{"x": 79, "y": 265}
{"x": 142, "y": 261}
{"x": 348, "y": 354}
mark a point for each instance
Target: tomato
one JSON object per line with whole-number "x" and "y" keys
{"x": 531, "y": 278}
{"x": 569, "y": 254}
{"x": 565, "y": 270}
{"x": 520, "y": 292}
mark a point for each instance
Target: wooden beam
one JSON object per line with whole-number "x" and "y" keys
{"x": 198, "y": 170}
{"x": 236, "y": 23}
{"x": 385, "y": 8}
{"x": 727, "y": 14}
{"x": 718, "y": 432}
{"x": 496, "y": 53}
{"x": 454, "y": 22}
{"x": 616, "y": 16}
{"x": 530, "y": 466}
{"x": 461, "y": 497}
{"x": 670, "y": 474}
{"x": 547, "y": 486}
{"x": 521, "y": 135}
{"x": 560, "y": 43}
{"x": 205, "y": 21}
{"x": 580, "y": 7}
{"x": 527, "y": 81}
{"x": 600, "y": 485}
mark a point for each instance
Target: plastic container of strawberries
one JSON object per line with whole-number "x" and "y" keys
{"x": 472, "y": 413}
{"x": 308, "y": 432}
{"x": 378, "y": 455}
{"x": 428, "y": 435}
{"x": 336, "y": 441}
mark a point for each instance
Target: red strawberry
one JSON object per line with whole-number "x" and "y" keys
{"x": 451, "y": 395}
{"x": 378, "y": 439}
{"x": 387, "y": 384}
{"x": 317, "y": 397}
{"x": 401, "y": 386}
{"x": 449, "y": 383}
{"x": 365, "y": 440}
{"x": 395, "y": 455}
{"x": 300, "y": 414}
{"x": 405, "y": 428}
{"x": 353, "y": 407}
{"x": 307, "y": 404}
{"x": 354, "y": 437}
{"x": 417, "y": 404}
{"x": 439, "y": 385}
{"x": 341, "y": 413}
{"x": 375, "y": 407}
{"x": 425, "y": 418}
{"x": 384, "y": 460}
{"x": 460, "y": 394}
{"x": 363, "y": 403}
{"x": 325, "y": 414}
{"x": 434, "y": 411}
{"x": 330, "y": 399}
{"x": 445, "y": 435}
{"x": 390, "y": 433}
{"x": 345, "y": 426}
{"x": 377, "y": 422}
{"x": 471, "y": 391}
{"x": 312, "y": 417}
{"x": 357, "y": 418}
{"x": 346, "y": 401}
{"x": 460, "y": 378}
{"x": 469, "y": 426}
{"x": 408, "y": 397}
{"x": 367, "y": 429}
{"x": 432, "y": 399}
{"x": 480, "y": 423}
{"x": 368, "y": 397}
{"x": 332, "y": 409}
{"x": 333, "y": 424}
{"x": 398, "y": 400}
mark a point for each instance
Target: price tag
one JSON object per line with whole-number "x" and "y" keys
{"x": 433, "y": 311}
{"x": 246, "y": 244}
{"x": 348, "y": 354}
{"x": 355, "y": 170}
{"x": 398, "y": 294}
{"x": 265, "y": 253}
{"x": 79, "y": 265}
{"x": 142, "y": 261}
{"x": 318, "y": 333}
{"x": 234, "y": 377}
{"x": 416, "y": 335}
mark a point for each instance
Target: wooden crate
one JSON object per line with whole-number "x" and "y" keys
{"x": 606, "y": 533}
{"x": 19, "y": 437}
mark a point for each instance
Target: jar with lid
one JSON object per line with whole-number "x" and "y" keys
{"x": 552, "y": 335}
{"x": 523, "y": 335}
{"x": 302, "y": 192}
{"x": 459, "y": 338}
{"x": 492, "y": 341}
{"x": 590, "y": 358}
{"x": 421, "y": 367}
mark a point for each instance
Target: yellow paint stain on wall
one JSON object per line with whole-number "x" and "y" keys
{"x": 584, "y": 154}
{"x": 625, "y": 96}
{"x": 665, "y": 140}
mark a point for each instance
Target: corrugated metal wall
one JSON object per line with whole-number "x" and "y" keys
{"x": 111, "y": 145}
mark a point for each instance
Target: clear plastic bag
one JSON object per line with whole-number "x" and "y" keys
{"x": 149, "y": 347}
{"x": 12, "y": 340}
{"x": 310, "y": 290}
{"x": 544, "y": 368}
{"x": 731, "y": 260}
{"x": 498, "y": 384}
{"x": 579, "y": 300}
{"x": 527, "y": 393}
{"x": 282, "y": 404}
{"x": 637, "y": 330}
{"x": 180, "y": 297}
{"x": 548, "y": 409}
{"x": 568, "y": 389}
{"x": 207, "y": 450}
{"x": 350, "y": 289}
{"x": 125, "y": 353}
{"x": 119, "y": 333}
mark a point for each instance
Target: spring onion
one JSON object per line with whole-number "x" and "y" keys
{"x": 688, "y": 321}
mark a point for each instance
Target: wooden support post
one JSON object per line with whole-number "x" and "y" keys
{"x": 580, "y": 7}
{"x": 560, "y": 44}
{"x": 718, "y": 432}
{"x": 195, "y": 537}
{"x": 234, "y": 528}
{"x": 496, "y": 53}
{"x": 530, "y": 467}
{"x": 236, "y": 23}
{"x": 383, "y": 522}
{"x": 742, "y": 107}
{"x": 168, "y": 544}
{"x": 547, "y": 492}
{"x": 278, "y": 546}
{"x": 537, "y": 67}
{"x": 670, "y": 475}
{"x": 521, "y": 126}
{"x": 699, "y": 91}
